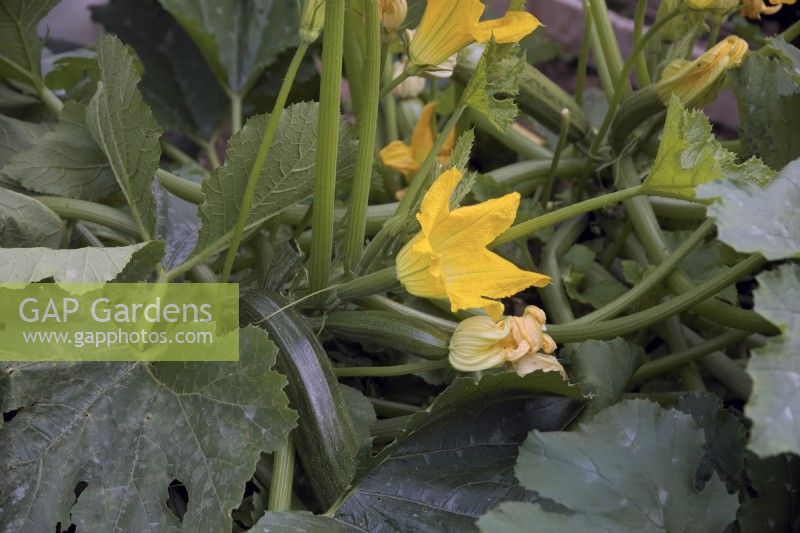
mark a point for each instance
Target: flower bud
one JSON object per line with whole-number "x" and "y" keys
{"x": 393, "y": 14}
{"x": 312, "y": 19}
{"x": 696, "y": 82}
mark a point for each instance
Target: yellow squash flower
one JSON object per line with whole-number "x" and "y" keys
{"x": 696, "y": 82}
{"x": 753, "y": 9}
{"x": 481, "y": 342}
{"x": 447, "y": 26}
{"x": 407, "y": 158}
{"x": 448, "y": 259}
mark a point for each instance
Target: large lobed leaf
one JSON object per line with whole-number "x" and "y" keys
{"x": 767, "y": 89}
{"x": 81, "y": 265}
{"x": 21, "y": 50}
{"x": 286, "y": 177}
{"x": 26, "y": 222}
{"x": 16, "y": 136}
{"x": 238, "y": 39}
{"x": 690, "y": 155}
{"x": 177, "y": 82}
{"x": 124, "y": 129}
{"x": 774, "y": 405}
{"x": 759, "y": 219}
{"x": 65, "y": 161}
{"x": 631, "y": 468}
{"x": 125, "y": 431}
{"x": 453, "y": 461}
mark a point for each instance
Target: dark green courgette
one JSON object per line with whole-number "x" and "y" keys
{"x": 405, "y": 334}
{"x": 329, "y": 443}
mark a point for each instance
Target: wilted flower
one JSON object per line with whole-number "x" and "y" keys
{"x": 481, "y": 342}
{"x": 312, "y": 18}
{"x": 407, "y": 158}
{"x": 448, "y": 259}
{"x": 447, "y": 26}
{"x": 696, "y": 82}
{"x": 393, "y": 14}
{"x": 753, "y": 9}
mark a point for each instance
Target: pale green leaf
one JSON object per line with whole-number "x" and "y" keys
{"x": 690, "y": 155}
{"x": 586, "y": 281}
{"x": 82, "y": 265}
{"x": 767, "y": 89}
{"x": 238, "y": 39}
{"x": 631, "y": 468}
{"x": 301, "y": 522}
{"x": 495, "y": 82}
{"x": 124, "y": 128}
{"x": 286, "y": 178}
{"x": 177, "y": 82}
{"x": 16, "y": 136}
{"x": 26, "y": 222}
{"x": 759, "y": 219}
{"x": 65, "y": 161}
{"x": 127, "y": 430}
{"x": 774, "y": 405}
{"x": 21, "y": 51}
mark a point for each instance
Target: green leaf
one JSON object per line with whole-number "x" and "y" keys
{"x": 707, "y": 260}
{"x": 124, "y": 129}
{"x": 177, "y": 223}
{"x": 21, "y": 52}
{"x": 82, "y": 265}
{"x": 65, "y": 161}
{"x": 631, "y": 468}
{"x": 774, "y": 228}
{"x": 299, "y": 522}
{"x": 26, "y": 222}
{"x": 773, "y": 504}
{"x": 495, "y": 83}
{"x": 177, "y": 83}
{"x": 15, "y": 137}
{"x": 238, "y": 39}
{"x": 767, "y": 87}
{"x": 602, "y": 370}
{"x": 286, "y": 177}
{"x": 453, "y": 461}
{"x": 363, "y": 415}
{"x": 690, "y": 155}
{"x": 75, "y": 72}
{"x": 127, "y": 430}
{"x": 586, "y": 281}
{"x": 725, "y": 437}
{"x": 774, "y": 404}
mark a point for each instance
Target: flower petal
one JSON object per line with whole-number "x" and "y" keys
{"x": 422, "y": 136}
{"x": 472, "y": 276}
{"x": 436, "y": 202}
{"x": 399, "y": 156}
{"x": 509, "y": 29}
{"x": 446, "y": 27}
{"x": 476, "y": 225}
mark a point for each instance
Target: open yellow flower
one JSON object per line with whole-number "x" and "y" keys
{"x": 447, "y": 26}
{"x": 448, "y": 259}
{"x": 696, "y": 82}
{"x": 481, "y": 342}
{"x": 407, "y": 158}
{"x": 753, "y": 9}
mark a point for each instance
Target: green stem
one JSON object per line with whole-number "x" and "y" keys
{"x": 72, "y": 209}
{"x": 555, "y": 299}
{"x": 603, "y": 71}
{"x": 381, "y": 303}
{"x": 327, "y": 151}
{"x": 684, "y": 357}
{"x": 677, "y": 209}
{"x": 388, "y": 102}
{"x": 511, "y": 138}
{"x": 50, "y": 100}
{"x": 280, "y": 488}
{"x": 379, "y": 281}
{"x": 181, "y": 187}
{"x": 628, "y": 324}
{"x": 525, "y": 229}
{"x": 421, "y": 177}
{"x": 583, "y": 57}
{"x": 236, "y": 112}
{"x": 547, "y": 191}
{"x": 368, "y": 123}
{"x": 411, "y": 70}
{"x": 393, "y": 409}
{"x": 261, "y": 158}
{"x": 642, "y": 74}
{"x": 608, "y": 42}
{"x": 792, "y": 32}
{"x": 389, "y": 371}
{"x": 652, "y": 279}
